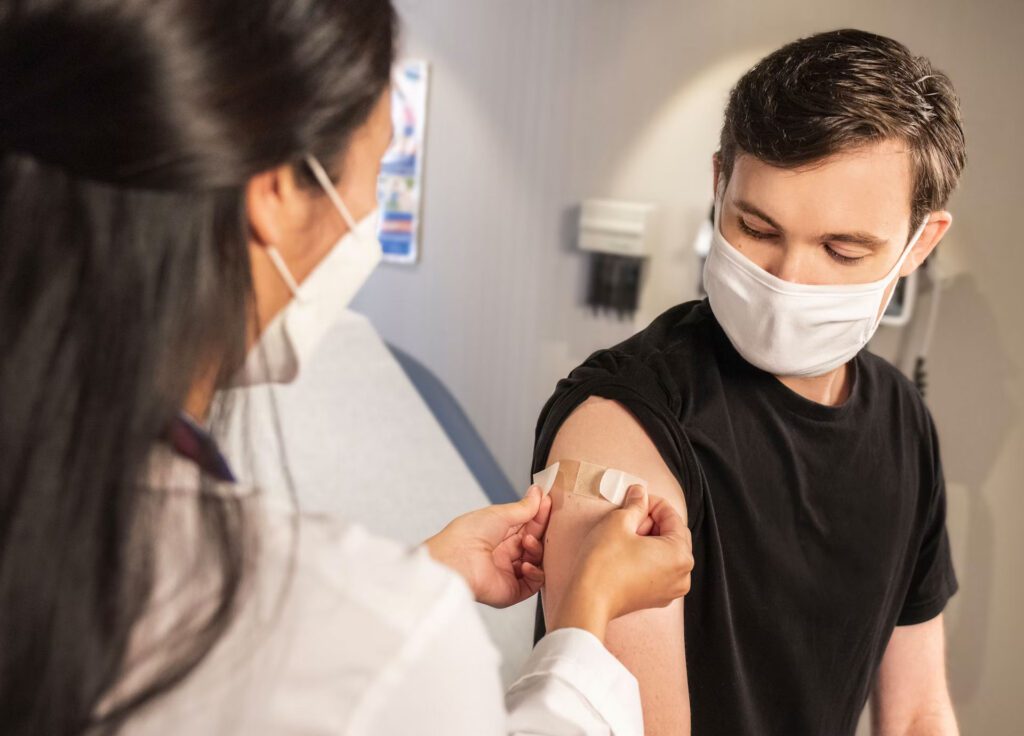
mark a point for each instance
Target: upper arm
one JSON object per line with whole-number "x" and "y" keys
{"x": 911, "y": 694}
{"x": 649, "y": 643}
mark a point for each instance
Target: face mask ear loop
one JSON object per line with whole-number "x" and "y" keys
{"x": 906, "y": 251}
{"x": 896, "y": 268}
{"x": 332, "y": 193}
{"x": 282, "y": 270}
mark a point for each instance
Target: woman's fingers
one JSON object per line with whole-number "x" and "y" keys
{"x": 532, "y": 579}
{"x": 513, "y": 517}
{"x": 517, "y": 551}
{"x": 634, "y": 509}
{"x": 509, "y": 551}
{"x": 533, "y": 550}
{"x": 646, "y": 527}
{"x": 665, "y": 518}
{"x": 525, "y": 581}
{"x": 672, "y": 530}
{"x": 539, "y": 523}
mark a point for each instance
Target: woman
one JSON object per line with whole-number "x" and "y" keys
{"x": 172, "y": 173}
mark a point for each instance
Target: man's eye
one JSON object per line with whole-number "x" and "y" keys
{"x": 840, "y": 258}
{"x": 757, "y": 234}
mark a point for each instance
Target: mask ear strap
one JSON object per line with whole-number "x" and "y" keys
{"x": 910, "y": 246}
{"x": 899, "y": 265}
{"x": 332, "y": 193}
{"x": 918, "y": 234}
{"x": 282, "y": 270}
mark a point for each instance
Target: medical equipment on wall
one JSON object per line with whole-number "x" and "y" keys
{"x": 933, "y": 270}
{"x": 617, "y": 236}
{"x": 901, "y": 307}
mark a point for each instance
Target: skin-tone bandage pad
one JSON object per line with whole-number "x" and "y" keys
{"x": 587, "y": 479}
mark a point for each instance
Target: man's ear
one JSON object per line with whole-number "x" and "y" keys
{"x": 271, "y": 202}
{"x": 938, "y": 223}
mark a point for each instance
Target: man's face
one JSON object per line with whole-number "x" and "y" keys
{"x": 843, "y": 220}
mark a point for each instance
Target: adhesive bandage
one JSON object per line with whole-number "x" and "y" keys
{"x": 587, "y": 479}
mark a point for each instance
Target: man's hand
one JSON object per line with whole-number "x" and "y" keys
{"x": 497, "y": 549}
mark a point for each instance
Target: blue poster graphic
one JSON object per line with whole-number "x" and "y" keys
{"x": 399, "y": 189}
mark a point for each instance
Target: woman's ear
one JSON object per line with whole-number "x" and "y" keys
{"x": 276, "y": 209}
{"x": 273, "y": 201}
{"x": 938, "y": 223}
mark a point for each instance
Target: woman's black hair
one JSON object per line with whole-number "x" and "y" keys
{"x": 128, "y": 131}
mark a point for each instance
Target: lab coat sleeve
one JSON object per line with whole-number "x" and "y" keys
{"x": 572, "y": 685}
{"x": 447, "y": 682}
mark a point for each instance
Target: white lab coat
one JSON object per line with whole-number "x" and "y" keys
{"x": 343, "y": 632}
{"x": 359, "y": 442}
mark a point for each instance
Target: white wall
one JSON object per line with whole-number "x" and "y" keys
{"x": 536, "y": 105}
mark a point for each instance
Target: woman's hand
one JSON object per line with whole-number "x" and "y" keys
{"x": 637, "y": 557}
{"x": 497, "y": 549}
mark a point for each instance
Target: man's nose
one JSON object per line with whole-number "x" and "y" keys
{"x": 790, "y": 264}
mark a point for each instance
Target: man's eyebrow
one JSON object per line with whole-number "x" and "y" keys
{"x": 744, "y": 206}
{"x": 857, "y": 238}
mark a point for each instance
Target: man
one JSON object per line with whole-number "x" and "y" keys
{"x": 808, "y": 468}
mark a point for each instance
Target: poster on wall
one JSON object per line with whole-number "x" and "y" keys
{"x": 400, "y": 187}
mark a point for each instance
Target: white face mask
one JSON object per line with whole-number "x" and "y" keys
{"x": 790, "y": 329}
{"x": 294, "y": 334}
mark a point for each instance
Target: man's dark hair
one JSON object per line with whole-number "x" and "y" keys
{"x": 840, "y": 90}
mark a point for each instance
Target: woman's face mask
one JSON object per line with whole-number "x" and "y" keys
{"x": 297, "y": 330}
{"x": 790, "y": 329}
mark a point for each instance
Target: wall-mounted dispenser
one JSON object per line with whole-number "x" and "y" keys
{"x": 616, "y": 234}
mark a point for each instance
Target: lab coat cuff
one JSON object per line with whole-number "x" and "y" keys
{"x": 579, "y": 659}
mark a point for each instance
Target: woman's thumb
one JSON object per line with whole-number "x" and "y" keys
{"x": 525, "y": 509}
{"x": 635, "y": 505}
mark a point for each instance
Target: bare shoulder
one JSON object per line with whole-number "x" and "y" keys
{"x": 604, "y": 432}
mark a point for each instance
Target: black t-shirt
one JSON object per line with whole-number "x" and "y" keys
{"x": 816, "y": 529}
